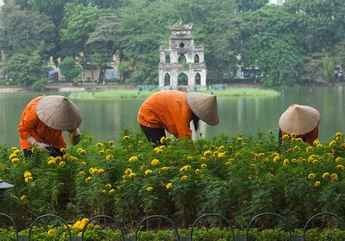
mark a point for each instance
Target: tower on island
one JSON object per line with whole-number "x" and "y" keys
{"x": 182, "y": 63}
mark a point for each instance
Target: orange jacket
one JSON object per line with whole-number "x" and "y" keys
{"x": 169, "y": 110}
{"x": 30, "y": 125}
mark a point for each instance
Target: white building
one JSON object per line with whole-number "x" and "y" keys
{"x": 182, "y": 63}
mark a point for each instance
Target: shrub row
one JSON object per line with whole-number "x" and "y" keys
{"x": 237, "y": 177}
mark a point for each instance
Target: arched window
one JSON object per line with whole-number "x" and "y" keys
{"x": 181, "y": 45}
{"x": 196, "y": 59}
{"x": 182, "y": 79}
{"x": 182, "y": 59}
{"x": 167, "y": 79}
{"x": 197, "y": 79}
{"x": 167, "y": 58}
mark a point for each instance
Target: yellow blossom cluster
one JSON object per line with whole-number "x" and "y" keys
{"x": 158, "y": 149}
{"x": 56, "y": 161}
{"x": 133, "y": 159}
{"x": 28, "y": 177}
{"x": 186, "y": 168}
{"x": 94, "y": 171}
{"x": 13, "y": 157}
{"x": 155, "y": 162}
{"x": 79, "y": 225}
{"x": 128, "y": 173}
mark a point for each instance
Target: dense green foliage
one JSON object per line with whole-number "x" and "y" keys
{"x": 69, "y": 69}
{"x": 301, "y": 41}
{"x": 236, "y": 177}
{"x": 96, "y": 233}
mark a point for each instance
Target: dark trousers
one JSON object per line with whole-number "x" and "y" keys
{"x": 52, "y": 151}
{"x": 154, "y": 135}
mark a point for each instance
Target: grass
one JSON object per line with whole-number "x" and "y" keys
{"x": 135, "y": 94}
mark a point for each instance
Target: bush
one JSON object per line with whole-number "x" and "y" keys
{"x": 236, "y": 177}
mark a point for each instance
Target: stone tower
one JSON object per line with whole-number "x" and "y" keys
{"x": 182, "y": 63}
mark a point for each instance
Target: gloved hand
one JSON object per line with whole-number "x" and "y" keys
{"x": 40, "y": 145}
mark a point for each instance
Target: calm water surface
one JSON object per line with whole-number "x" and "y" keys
{"x": 107, "y": 119}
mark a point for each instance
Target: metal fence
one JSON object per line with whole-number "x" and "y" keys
{"x": 238, "y": 233}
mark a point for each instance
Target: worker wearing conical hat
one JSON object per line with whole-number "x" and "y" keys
{"x": 302, "y": 121}
{"x": 173, "y": 111}
{"x": 43, "y": 120}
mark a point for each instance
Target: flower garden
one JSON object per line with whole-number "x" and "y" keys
{"x": 128, "y": 179}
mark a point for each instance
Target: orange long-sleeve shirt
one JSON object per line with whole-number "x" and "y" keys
{"x": 30, "y": 125}
{"x": 169, "y": 110}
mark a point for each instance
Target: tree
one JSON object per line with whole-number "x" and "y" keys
{"x": 103, "y": 43}
{"x": 23, "y": 30}
{"x": 79, "y": 22}
{"x": 25, "y": 68}
{"x": 69, "y": 69}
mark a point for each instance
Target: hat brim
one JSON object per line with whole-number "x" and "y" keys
{"x": 204, "y": 106}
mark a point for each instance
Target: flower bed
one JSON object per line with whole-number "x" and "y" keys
{"x": 211, "y": 234}
{"x": 237, "y": 177}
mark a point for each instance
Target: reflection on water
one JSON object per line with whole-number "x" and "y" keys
{"x": 107, "y": 119}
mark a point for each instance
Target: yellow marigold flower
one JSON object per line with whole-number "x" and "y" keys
{"x": 203, "y": 165}
{"x": 325, "y": 175}
{"x": 125, "y": 138}
{"x": 28, "y": 179}
{"x": 132, "y": 175}
{"x": 185, "y": 168}
{"x": 158, "y": 149}
{"x": 316, "y": 142}
{"x": 83, "y": 163}
{"x": 286, "y": 162}
{"x": 165, "y": 168}
{"x": 81, "y": 151}
{"x": 203, "y": 159}
{"x": 12, "y": 156}
{"x": 58, "y": 158}
{"x": 311, "y": 176}
{"x": 338, "y": 159}
{"x": 109, "y": 157}
{"x": 111, "y": 191}
{"x": 317, "y": 184}
{"x": 27, "y": 174}
{"x": 100, "y": 171}
{"x": 155, "y": 162}
{"x": 340, "y": 167}
{"x": 15, "y": 161}
{"x": 163, "y": 140}
{"x": 128, "y": 171}
{"x": 52, "y": 232}
{"x": 101, "y": 152}
{"x": 311, "y": 158}
{"x": 148, "y": 172}
{"x": 111, "y": 142}
{"x": 309, "y": 149}
{"x": 88, "y": 179}
{"x": 62, "y": 164}
{"x": 276, "y": 158}
{"x": 108, "y": 186}
{"x": 149, "y": 189}
{"x": 334, "y": 177}
{"x": 104, "y": 191}
{"x": 100, "y": 145}
{"x": 338, "y": 133}
{"x": 315, "y": 161}
{"x": 197, "y": 171}
{"x": 133, "y": 159}
{"x": 221, "y": 154}
{"x": 332, "y": 143}
{"x": 168, "y": 185}
{"x": 184, "y": 178}
{"x": 24, "y": 198}
{"x": 207, "y": 153}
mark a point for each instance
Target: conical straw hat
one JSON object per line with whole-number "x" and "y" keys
{"x": 58, "y": 112}
{"x": 299, "y": 119}
{"x": 204, "y": 106}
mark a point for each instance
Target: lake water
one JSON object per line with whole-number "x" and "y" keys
{"x": 107, "y": 119}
